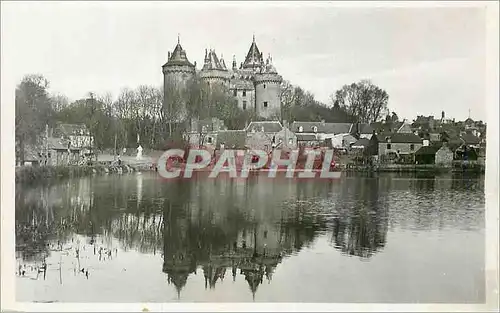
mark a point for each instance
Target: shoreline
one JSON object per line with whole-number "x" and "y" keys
{"x": 29, "y": 175}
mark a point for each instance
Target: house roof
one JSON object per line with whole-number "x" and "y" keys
{"x": 269, "y": 126}
{"x": 365, "y": 128}
{"x": 306, "y": 137}
{"x": 329, "y": 128}
{"x": 230, "y": 138}
{"x": 363, "y": 142}
{"x": 470, "y": 139}
{"x": 60, "y": 144}
{"x": 469, "y": 121}
{"x": 399, "y": 138}
{"x": 71, "y": 130}
{"x": 427, "y": 150}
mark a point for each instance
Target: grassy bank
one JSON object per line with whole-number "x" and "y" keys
{"x": 37, "y": 174}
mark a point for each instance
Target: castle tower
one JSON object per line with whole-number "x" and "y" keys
{"x": 253, "y": 59}
{"x": 267, "y": 91}
{"x": 177, "y": 73}
{"x": 214, "y": 71}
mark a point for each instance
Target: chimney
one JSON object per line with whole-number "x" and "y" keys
{"x": 169, "y": 55}
{"x": 442, "y": 115}
{"x": 194, "y": 63}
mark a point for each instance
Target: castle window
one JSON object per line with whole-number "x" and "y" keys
{"x": 235, "y": 92}
{"x": 244, "y": 104}
{"x": 265, "y": 104}
{"x": 244, "y": 93}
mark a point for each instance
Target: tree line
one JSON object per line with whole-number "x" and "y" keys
{"x": 142, "y": 114}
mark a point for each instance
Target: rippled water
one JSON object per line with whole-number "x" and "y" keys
{"x": 137, "y": 238}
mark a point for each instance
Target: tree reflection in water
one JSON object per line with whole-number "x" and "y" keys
{"x": 216, "y": 226}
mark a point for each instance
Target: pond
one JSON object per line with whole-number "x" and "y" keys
{"x": 363, "y": 238}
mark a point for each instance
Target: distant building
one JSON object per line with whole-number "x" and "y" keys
{"x": 255, "y": 84}
{"x": 398, "y": 143}
{"x": 78, "y": 135}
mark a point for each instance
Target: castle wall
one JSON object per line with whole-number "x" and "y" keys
{"x": 245, "y": 102}
{"x": 175, "y": 80}
{"x": 268, "y": 99}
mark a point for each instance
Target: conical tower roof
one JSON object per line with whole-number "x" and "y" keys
{"x": 212, "y": 62}
{"x": 254, "y": 57}
{"x": 178, "y": 57}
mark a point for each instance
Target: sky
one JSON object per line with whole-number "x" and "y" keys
{"x": 428, "y": 59}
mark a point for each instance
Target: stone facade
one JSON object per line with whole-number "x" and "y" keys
{"x": 398, "y": 147}
{"x": 444, "y": 156}
{"x": 399, "y": 143}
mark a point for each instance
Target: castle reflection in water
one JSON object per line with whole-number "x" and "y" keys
{"x": 220, "y": 227}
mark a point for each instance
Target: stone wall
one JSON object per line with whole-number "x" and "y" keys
{"x": 403, "y": 148}
{"x": 444, "y": 157}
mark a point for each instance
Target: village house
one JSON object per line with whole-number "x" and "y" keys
{"x": 398, "y": 144}
{"x": 203, "y": 132}
{"x": 361, "y": 130}
{"x": 78, "y": 134}
{"x": 336, "y": 135}
{"x": 444, "y": 156}
{"x": 62, "y": 152}
{"x": 262, "y": 135}
{"x": 439, "y": 154}
{"x": 231, "y": 139}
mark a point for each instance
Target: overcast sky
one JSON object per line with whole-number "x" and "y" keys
{"x": 427, "y": 59}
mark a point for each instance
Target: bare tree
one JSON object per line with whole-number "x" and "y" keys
{"x": 33, "y": 110}
{"x": 363, "y": 100}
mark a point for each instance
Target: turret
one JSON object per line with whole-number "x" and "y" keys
{"x": 176, "y": 73}
{"x": 214, "y": 70}
{"x": 267, "y": 89}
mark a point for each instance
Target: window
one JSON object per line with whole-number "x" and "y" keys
{"x": 244, "y": 104}
{"x": 388, "y": 146}
{"x": 209, "y": 140}
{"x": 412, "y": 147}
{"x": 290, "y": 141}
{"x": 314, "y": 129}
{"x": 244, "y": 93}
{"x": 301, "y": 129}
{"x": 262, "y": 128}
{"x": 265, "y": 104}
{"x": 235, "y": 92}
{"x": 264, "y": 86}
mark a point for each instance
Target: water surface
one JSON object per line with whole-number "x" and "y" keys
{"x": 137, "y": 238}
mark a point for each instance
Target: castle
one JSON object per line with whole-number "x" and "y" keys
{"x": 255, "y": 84}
